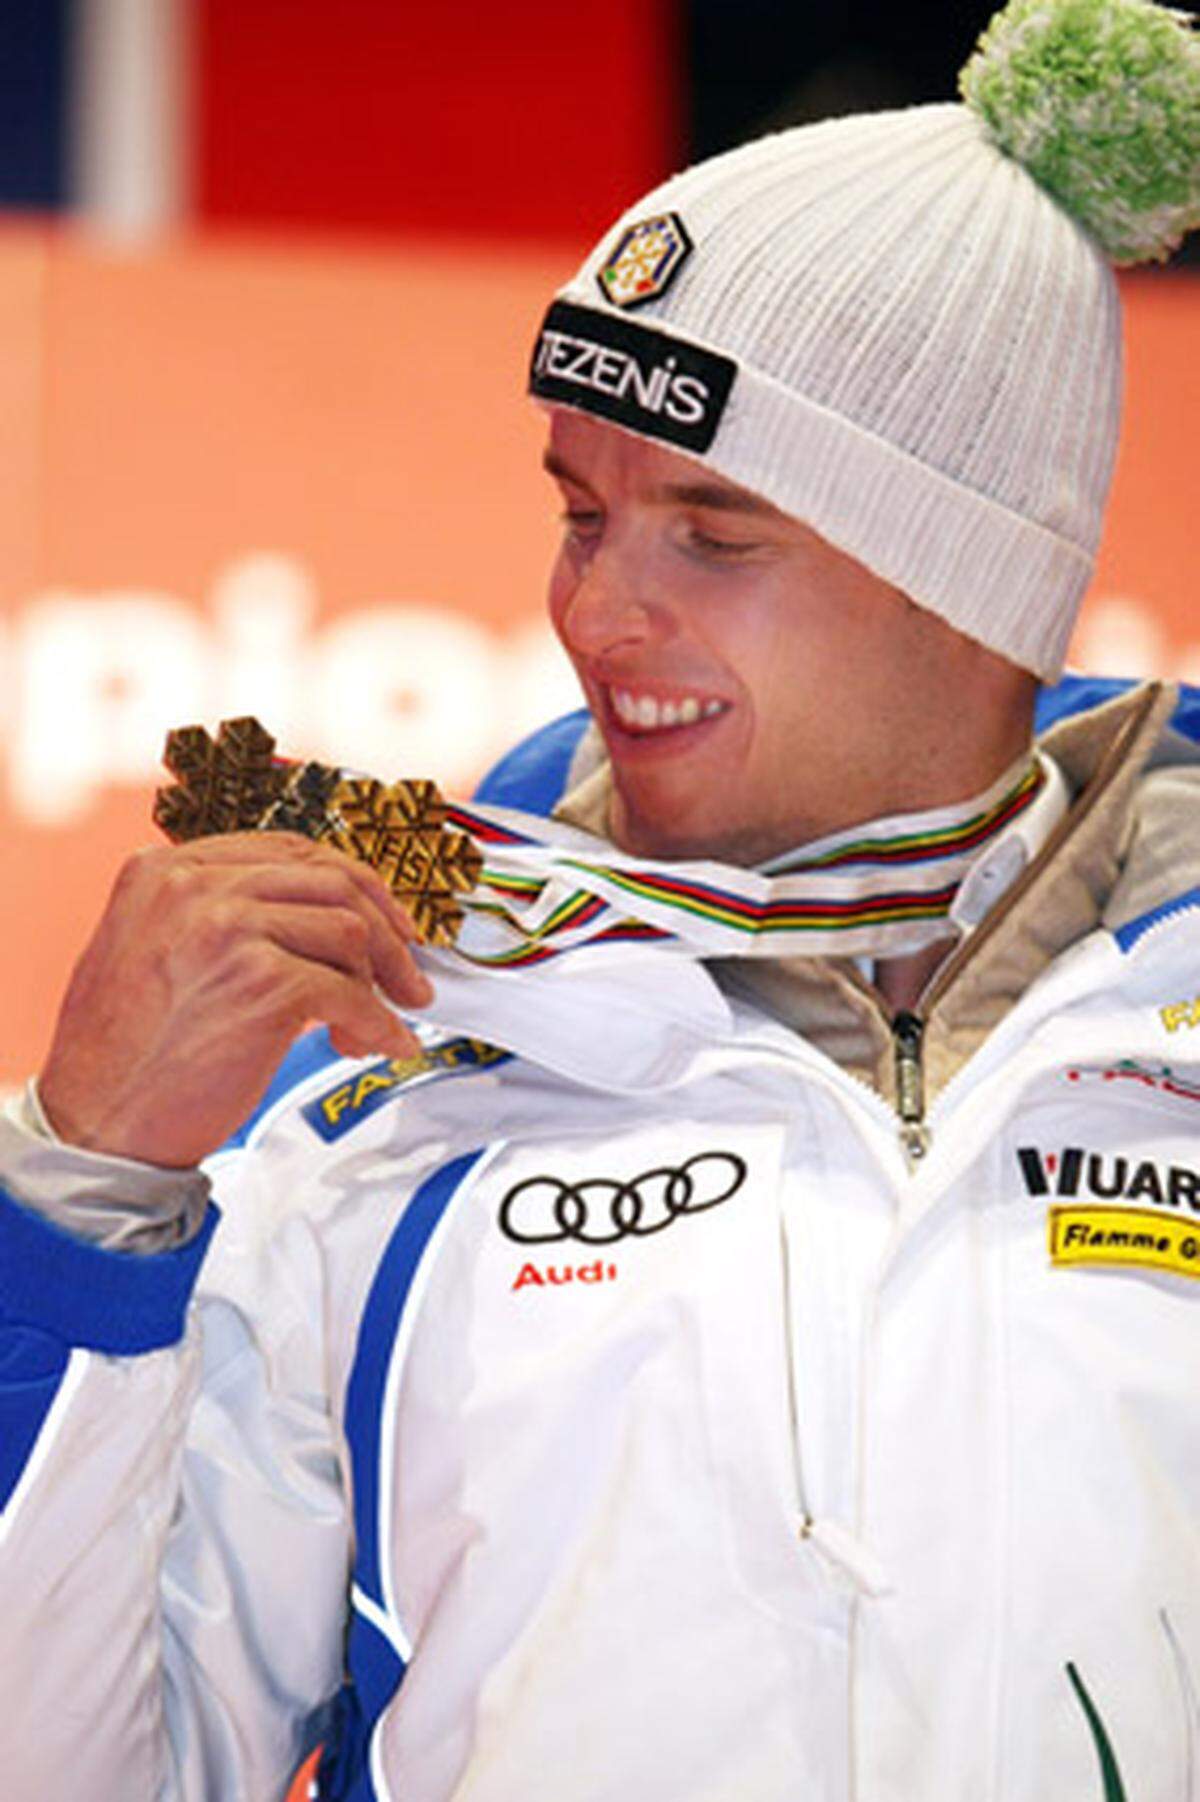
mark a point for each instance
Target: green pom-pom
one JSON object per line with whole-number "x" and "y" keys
{"x": 1100, "y": 101}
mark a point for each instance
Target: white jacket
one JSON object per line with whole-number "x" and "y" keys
{"x": 676, "y": 1439}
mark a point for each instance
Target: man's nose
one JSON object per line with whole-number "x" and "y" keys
{"x": 609, "y": 606}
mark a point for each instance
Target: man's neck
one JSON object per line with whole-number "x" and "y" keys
{"x": 903, "y": 980}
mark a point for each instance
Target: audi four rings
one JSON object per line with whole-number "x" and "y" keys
{"x": 543, "y": 1210}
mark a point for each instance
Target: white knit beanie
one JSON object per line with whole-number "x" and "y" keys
{"x": 889, "y": 328}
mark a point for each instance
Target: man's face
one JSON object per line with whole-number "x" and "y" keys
{"x": 747, "y": 677}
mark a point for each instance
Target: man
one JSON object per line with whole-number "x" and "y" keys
{"x": 741, "y": 1344}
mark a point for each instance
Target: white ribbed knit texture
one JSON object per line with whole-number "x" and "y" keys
{"x": 929, "y": 359}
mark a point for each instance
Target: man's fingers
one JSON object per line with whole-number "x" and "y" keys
{"x": 261, "y": 853}
{"x": 345, "y": 938}
{"x": 348, "y": 1044}
{"x": 360, "y": 1022}
{"x": 337, "y": 884}
{"x": 374, "y": 890}
{"x": 216, "y": 887}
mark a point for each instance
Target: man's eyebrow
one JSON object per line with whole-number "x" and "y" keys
{"x": 717, "y": 497}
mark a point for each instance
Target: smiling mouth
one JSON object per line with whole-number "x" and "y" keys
{"x": 642, "y": 713}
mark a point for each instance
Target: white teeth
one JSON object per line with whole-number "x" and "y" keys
{"x": 649, "y": 714}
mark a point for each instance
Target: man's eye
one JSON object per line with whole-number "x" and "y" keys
{"x": 709, "y": 545}
{"x": 581, "y": 522}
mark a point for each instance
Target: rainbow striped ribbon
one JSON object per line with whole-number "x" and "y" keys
{"x": 881, "y": 889}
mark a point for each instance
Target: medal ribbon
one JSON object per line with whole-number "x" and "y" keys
{"x": 880, "y": 890}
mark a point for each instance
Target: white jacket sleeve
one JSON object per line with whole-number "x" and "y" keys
{"x": 174, "y": 1539}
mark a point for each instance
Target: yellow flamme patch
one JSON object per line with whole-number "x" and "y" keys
{"x": 1124, "y": 1237}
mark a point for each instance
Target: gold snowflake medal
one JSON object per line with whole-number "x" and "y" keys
{"x": 235, "y": 783}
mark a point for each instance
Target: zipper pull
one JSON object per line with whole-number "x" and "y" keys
{"x": 908, "y": 1031}
{"x": 851, "y": 1557}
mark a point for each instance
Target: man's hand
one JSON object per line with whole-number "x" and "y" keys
{"x": 209, "y": 960}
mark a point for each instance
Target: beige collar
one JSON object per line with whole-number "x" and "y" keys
{"x": 1062, "y": 895}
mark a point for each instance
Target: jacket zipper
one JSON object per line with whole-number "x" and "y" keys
{"x": 908, "y": 1033}
{"x": 908, "y": 1028}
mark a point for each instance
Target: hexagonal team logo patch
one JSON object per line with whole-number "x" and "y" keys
{"x": 645, "y": 260}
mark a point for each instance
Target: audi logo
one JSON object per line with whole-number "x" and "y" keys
{"x": 543, "y": 1210}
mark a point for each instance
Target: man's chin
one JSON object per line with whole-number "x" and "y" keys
{"x": 673, "y": 834}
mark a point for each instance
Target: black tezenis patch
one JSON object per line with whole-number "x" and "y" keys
{"x": 644, "y": 379}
